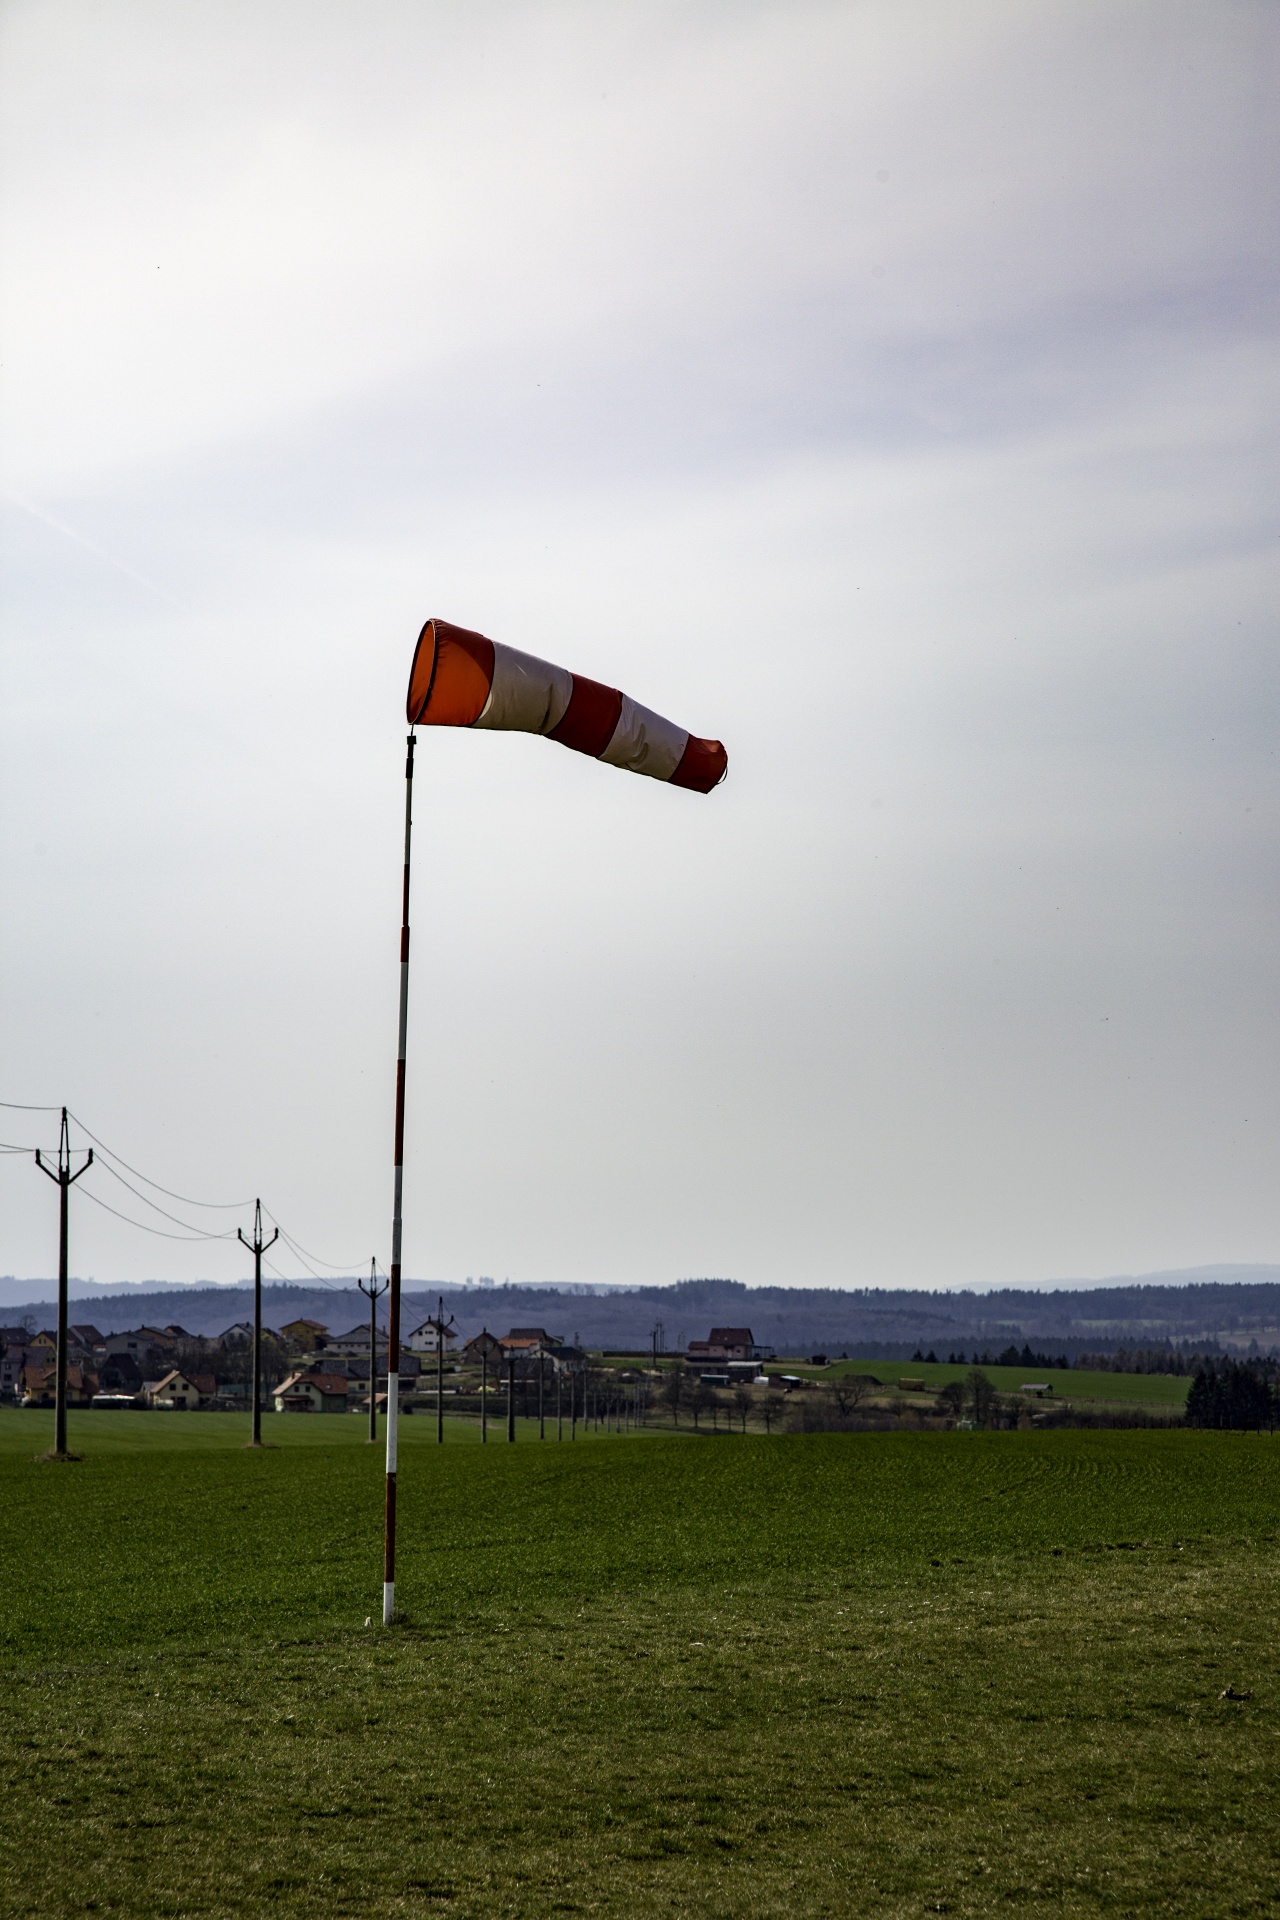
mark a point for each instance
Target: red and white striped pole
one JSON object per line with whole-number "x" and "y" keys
{"x": 393, "y": 1331}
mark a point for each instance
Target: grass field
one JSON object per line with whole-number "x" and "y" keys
{"x": 1160, "y": 1392}
{"x": 833, "y": 1674}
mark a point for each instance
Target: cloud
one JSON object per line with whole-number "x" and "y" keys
{"x": 889, "y": 390}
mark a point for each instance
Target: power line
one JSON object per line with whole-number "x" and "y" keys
{"x": 191, "y": 1232}
{"x": 144, "y": 1228}
{"x": 339, "y": 1266}
{"x": 216, "y": 1206}
{"x": 156, "y": 1208}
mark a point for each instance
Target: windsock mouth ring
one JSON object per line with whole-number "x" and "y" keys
{"x": 422, "y": 674}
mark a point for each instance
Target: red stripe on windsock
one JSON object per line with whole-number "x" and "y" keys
{"x": 590, "y": 718}
{"x": 703, "y": 765}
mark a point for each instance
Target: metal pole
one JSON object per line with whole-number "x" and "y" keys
{"x": 258, "y": 1247}
{"x": 65, "y": 1179}
{"x": 511, "y": 1397}
{"x": 542, "y": 1374}
{"x": 397, "y": 1217}
{"x": 559, "y": 1403}
{"x": 484, "y": 1393}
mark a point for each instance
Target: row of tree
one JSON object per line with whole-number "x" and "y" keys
{"x": 1243, "y": 1394}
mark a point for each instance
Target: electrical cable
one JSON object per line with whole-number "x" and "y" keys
{"x": 191, "y": 1232}
{"x": 159, "y": 1231}
{"x": 156, "y": 1208}
{"x": 338, "y": 1266}
{"x": 215, "y": 1206}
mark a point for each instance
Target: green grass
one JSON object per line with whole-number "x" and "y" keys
{"x": 1165, "y": 1392}
{"x": 832, "y": 1674}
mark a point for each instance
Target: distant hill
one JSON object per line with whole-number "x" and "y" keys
{"x": 1229, "y": 1306}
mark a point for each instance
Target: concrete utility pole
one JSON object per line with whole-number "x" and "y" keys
{"x": 257, "y": 1246}
{"x": 374, "y": 1292}
{"x": 442, "y": 1327}
{"x": 64, "y": 1180}
{"x": 484, "y": 1388}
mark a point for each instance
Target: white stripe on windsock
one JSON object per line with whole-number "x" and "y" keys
{"x": 644, "y": 742}
{"x": 528, "y": 695}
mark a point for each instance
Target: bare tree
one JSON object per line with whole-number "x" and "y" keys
{"x": 951, "y": 1398}
{"x": 743, "y": 1401}
{"x": 982, "y": 1395}
{"x": 700, "y": 1398}
{"x": 849, "y": 1392}
{"x": 671, "y": 1391}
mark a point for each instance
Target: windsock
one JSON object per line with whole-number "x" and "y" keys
{"x": 461, "y": 679}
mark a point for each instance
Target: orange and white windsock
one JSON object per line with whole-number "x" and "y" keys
{"x": 462, "y": 679}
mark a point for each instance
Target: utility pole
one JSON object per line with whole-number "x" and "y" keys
{"x": 374, "y": 1292}
{"x": 442, "y": 1327}
{"x": 511, "y": 1397}
{"x": 484, "y": 1390}
{"x": 65, "y": 1180}
{"x": 559, "y": 1401}
{"x": 542, "y": 1374}
{"x": 659, "y": 1340}
{"x": 257, "y": 1246}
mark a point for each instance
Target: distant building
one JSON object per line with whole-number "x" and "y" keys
{"x": 38, "y": 1385}
{"x": 86, "y": 1337}
{"x": 483, "y": 1345}
{"x": 181, "y": 1392}
{"x": 119, "y": 1373}
{"x": 311, "y": 1393}
{"x": 238, "y": 1336}
{"x": 728, "y": 1343}
{"x": 12, "y": 1361}
{"x": 356, "y": 1341}
{"x": 547, "y": 1341}
{"x": 528, "y": 1343}
{"x": 424, "y": 1339}
{"x": 139, "y": 1343}
{"x": 309, "y": 1334}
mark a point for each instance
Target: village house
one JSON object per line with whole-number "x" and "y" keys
{"x": 483, "y": 1346}
{"x": 530, "y": 1343}
{"x": 240, "y": 1335}
{"x": 12, "y": 1361}
{"x": 144, "y": 1343}
{"x": 312, "y": 1393}
{"x": 728, "y": 1343}
{"x": 83, "y": 1335}
{"x": 38, "y": 1385}
{"x": 423, "y": 1339}
{"x": 179, "y": 1391}
{"x": 356, "y": 1341}
{"x": 308, "y": 1335}
{"x": 119, "y": 1373}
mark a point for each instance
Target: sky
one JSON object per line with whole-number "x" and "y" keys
{"x": 888, "y": 389}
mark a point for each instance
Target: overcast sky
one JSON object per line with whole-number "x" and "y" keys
{"x": 888, "y": 389}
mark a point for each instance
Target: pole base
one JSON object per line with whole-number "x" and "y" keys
{"x": 388, "y": 1602}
